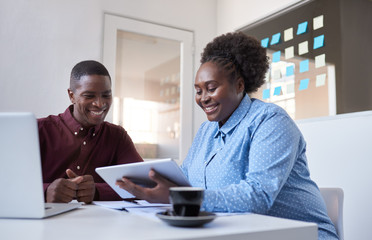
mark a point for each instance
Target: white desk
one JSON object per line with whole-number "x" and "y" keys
{"x": 95, "y": 222}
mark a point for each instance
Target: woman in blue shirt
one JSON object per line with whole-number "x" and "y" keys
{"x": 249, "y": 156}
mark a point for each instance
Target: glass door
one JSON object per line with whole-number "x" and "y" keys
{"x": 147, "y": 93}
{"x": 151, "y": 69}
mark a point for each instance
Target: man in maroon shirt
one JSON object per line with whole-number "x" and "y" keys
{"x": 76, "y": 142}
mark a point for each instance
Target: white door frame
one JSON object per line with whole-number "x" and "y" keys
{"x": 114, "y": 23}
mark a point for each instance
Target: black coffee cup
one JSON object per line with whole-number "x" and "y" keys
{"x": 186, "y": 201}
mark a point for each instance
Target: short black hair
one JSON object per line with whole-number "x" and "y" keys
{"x": 240, "y": 56}
{"x": 84, "y": 68}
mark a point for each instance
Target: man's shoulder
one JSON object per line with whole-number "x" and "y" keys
{"x": 113, "y": 132}
{"x": 62, "y": 116}
{"x": 51, "y": 119}
{"x": 113, "y": 128}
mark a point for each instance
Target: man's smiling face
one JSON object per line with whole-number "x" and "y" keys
{"x": 92, "y": 99}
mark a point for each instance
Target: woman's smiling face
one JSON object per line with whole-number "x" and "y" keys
{"x": 215, "y": 94}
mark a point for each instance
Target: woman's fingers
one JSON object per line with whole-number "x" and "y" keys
{"x": 136, "y": 190}
{"x": 160, "y": 180}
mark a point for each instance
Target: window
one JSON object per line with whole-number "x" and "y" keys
{"x": 320, "y": 57}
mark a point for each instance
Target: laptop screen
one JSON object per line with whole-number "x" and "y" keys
{"x": 20, "y": 166}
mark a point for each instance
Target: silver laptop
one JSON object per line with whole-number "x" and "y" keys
{"x": 21, "y": 184}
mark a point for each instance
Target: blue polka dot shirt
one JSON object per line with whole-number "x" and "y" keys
{"x": 256, "y": 163}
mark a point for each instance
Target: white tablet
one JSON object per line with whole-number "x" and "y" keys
{"x": 139, "y": 173}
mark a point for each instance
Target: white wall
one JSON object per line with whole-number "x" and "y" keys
{"x": 235, "y": 14}
{"x": 40, "y": 42}
{"x": 339, "y": 154}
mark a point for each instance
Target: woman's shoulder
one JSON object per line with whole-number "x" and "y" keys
{"x": 262, "y": 112}
{"x": 260, "y": 107}
{"x": 206, "y": 129}
{"x": 270, "y": 116}
{"x": 208, "y": 125}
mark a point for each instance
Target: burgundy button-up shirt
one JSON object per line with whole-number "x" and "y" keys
{"x": 64, "y": 144}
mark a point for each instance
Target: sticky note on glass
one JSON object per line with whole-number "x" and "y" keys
{"x": 289, "y": 71}
{"x": 275, "y": 39}
{"x": 304, "y": 66}
{"x": 302, "y": 27}
{"x": 288, "y": 34}
{"x": 320, "y": 61}
{"x": 304, "y": 84}
{"x": 265, "y": 42}
{"x": 318, "y": 22}
{"x": 289, "y": 52}
{"x": 303, "y": 48}
{"x": 290, "y": 88}
{"x": 276, "y": 74}
{"x": 319, "y": 41}
{"x": 320, "y": 80}
{"x": 266, "y": 94}
{"x": 267, "y": 76}
{"x": 276, "y": 56}
{"x": 277, "y": 91}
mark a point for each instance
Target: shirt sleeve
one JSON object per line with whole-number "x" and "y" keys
{"x": 125, "y": 153}
{"x": 271, "y": 156}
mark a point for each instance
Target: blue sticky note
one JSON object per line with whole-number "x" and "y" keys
{"x": 289, "y": 71}
{"x": 302, "y": 27}
{"x": 277, "y": 91}
{"x": 304, "y": 66}
{"x": 276, "y": 56}
{"x": 275, "y": 39}
{"x": 265, "y": 42}
{"x": 266, "y": 93}
{"x": 319, "y": 41}
{"x": 304, "y": 84}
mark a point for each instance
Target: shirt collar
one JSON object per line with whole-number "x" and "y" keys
{"x": 236, "y": 117}
{"x": 74, "y": 126}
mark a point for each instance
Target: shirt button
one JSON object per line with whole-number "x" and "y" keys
{"x": 78, "y": 167}
{"x": 94, "y": 134}
{"x": 81, "y": 129}
{"x": 85, "y": 143}
{"x": 75, "y": 133}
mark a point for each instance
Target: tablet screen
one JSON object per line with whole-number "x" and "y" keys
{"x": 138, "y": 173}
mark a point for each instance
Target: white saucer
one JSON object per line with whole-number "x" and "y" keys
{"x": 179, "y": 221}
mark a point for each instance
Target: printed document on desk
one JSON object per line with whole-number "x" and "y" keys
{"x": 144, "y": 208}
{"x": 126, "y": 204}
{"x": 139, "y": 207}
